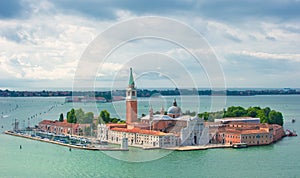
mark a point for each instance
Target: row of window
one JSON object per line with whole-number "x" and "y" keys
{"x": 257, "y": 136}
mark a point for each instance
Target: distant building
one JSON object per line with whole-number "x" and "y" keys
{"x": 85, "y": 99}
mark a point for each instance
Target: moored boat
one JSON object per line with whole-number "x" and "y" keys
{"x": 240, "y": 145}
{"x": 290, "y": 133}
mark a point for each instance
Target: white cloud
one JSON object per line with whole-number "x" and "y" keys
{"x": 45, "y": 47}
{"x": 48, "y": 41}
{"x": 264, "y": 55}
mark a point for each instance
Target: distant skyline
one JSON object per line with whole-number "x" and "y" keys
{"x": 257, "y": 43}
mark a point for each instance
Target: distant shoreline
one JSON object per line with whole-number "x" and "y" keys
{"x": 109, "y": 95}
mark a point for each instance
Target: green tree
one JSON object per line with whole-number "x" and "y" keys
{"x": 88, "y": 118}
{"x": 104, "y": 117}
{"x": 263, "y": 118}
{"x": 275, "y": 117}
{"x": 61, "y": 117}
{"x": 204, "y": 115}
{"x": 252, "y": 111}
{"x": 79, "y": 113}
{"x": 71, "y": 118}
{"x": 121, "y": 122}
{"x": 235, "y": 111}
{"x": 266, "y": 115}
{"x": 267, "y": 111}
{"x": 114, "y": 120}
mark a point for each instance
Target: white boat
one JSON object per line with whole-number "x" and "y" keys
{"x": 240, "y": 145}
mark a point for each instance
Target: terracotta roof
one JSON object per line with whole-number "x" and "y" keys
{"x": 248, "y": 129}
{"x": 58, "y": 124}
{"x": 113, "y": 125}
{"x": 141, "y": 131}
{"x": 254, "y": 131}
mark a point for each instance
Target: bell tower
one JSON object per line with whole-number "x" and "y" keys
{"x": 131, "y": 101}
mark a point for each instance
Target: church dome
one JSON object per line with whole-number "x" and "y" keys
{"x": 174, "y": 111}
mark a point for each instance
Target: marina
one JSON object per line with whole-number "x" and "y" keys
{"x": 57, "y": 142}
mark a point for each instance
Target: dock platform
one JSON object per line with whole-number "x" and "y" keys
{"x": 64, "y": 144}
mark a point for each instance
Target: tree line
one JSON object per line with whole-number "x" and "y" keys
{"x": 266, "y": 115}
{"x": 81, "y": 117}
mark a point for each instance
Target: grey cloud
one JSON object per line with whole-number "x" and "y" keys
{"x": 232, "y": 38}
{"x": 247, "y": 71}
{"x": 244, "y": 63}
{"x": 271, "y": 38}
{"x": 10, "y": 34}
{"x": 291, "y": 29}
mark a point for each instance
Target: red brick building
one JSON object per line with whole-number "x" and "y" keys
{"x": 64, "y": 127}
{"x": 249, "y": 133}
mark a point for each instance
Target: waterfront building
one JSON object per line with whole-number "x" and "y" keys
{"x": 278, "y": 132}
{"x": 249, "y": 133}
{"x": 62, "y": 128}
{"x": 136, "y": 136}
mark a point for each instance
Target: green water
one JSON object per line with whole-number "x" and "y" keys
{"x": 38, "y": 159}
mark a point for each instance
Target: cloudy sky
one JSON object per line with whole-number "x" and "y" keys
{"x": 42, "y": 43}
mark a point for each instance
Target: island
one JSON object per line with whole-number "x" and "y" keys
{"x": 171, "y": 129}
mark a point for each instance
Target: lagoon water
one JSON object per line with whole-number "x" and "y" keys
{"x": 39, "y": 159}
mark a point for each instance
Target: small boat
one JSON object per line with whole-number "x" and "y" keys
{"x": 240, "y": 145}
{"x": 290, "y": 133}
{"x": 293, "y": 120}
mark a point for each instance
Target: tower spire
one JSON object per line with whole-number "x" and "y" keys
{"x": 174, "y": 102}
{"x": 131, "y": 80}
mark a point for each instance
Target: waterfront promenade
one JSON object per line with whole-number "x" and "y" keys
{"x": 199, "y": 147}
{"x": 183, "y": 148}
{"x": 64, "y": 144}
